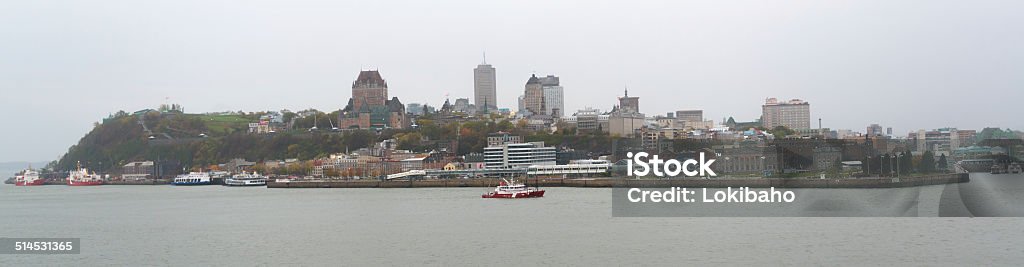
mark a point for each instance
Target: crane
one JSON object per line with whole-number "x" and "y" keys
{"x": 333, "y": 128}
{"x": 313, "y": 129}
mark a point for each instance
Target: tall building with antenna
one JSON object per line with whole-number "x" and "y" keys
{"x": 485, "y": 92}
{"x": 628, "y": 103}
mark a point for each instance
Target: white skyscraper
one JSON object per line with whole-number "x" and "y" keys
{"x": 553, "y": 96}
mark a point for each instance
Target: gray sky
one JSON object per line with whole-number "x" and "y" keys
{"x": 904, "y": 64}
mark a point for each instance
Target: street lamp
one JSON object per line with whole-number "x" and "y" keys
{"x": 764, "y": 171}
{"x": 898, "y": 165}
{"x": 891, "y": 169}
{"x": 729, "y": 160}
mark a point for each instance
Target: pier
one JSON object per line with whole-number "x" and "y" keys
{"x": 877, "y": 182}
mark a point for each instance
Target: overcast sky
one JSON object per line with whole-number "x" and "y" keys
{"x": 903, "y": 64}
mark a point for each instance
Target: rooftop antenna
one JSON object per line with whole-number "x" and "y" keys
{"x": 485, "y": 57}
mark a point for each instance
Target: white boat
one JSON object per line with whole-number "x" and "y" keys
{"x": 513, "y": 189}
{"x": 246, "y": 179}
{"x": 82, "y": 177}
{"x": 192, "y": 178}
{"x": 29, "y": 177}
{"x": 1014, "y": 168}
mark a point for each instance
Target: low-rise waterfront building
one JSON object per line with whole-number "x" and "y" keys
{"x": 747, "y": 158}
{"x": 139, "y": 170}
{"x": 518, "y": 155}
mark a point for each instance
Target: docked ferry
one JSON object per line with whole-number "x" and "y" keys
{"x": 997, "y": 169}
{"x": 192, "y": 178}
{"x": 246, "y": 179}
{"x": 29, "y": 178}
{"x": 82, "y": 177}
{"x": 1014, "y": 168}
{"x": 512, "y": 189}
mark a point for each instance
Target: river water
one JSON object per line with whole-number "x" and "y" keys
{"x": 215, "y": 225}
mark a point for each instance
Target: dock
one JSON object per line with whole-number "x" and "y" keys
{"x": 877, "y": 182}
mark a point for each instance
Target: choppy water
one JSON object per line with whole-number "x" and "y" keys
{"x": 214, "y": 225}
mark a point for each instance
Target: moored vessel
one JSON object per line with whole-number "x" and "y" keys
{"x": 1014, "y": 168}
{"x": 997, "y": 169}
{"x": 246, "y": 179}
{"x": 192, "y": 178}
{"x": 512, "y": 189}
{"x": 81, "y": 177}
{"x": 29, "y": 178}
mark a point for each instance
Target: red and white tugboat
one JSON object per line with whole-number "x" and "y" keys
{"x": 29, "y": 178}
{"x": 511, "y": 189}
{"x": 82, "y": 177}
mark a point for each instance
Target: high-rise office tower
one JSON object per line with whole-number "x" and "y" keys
{"x": 485, "y": 88}
{"x": 553, "y": 96}
{"x": 793, "y": 114}
{"x": 533, "y": 97}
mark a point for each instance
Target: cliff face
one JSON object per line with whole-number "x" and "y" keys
{"x": 115, "y": 138}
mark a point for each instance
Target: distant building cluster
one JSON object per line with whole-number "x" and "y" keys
{"x": 268, "y": 123}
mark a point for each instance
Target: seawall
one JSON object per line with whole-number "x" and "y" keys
{"x": 622, "y": 182}
{"x": 144, "y": 182}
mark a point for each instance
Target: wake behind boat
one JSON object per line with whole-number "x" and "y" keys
{"x": 512, "y": 189}
{"x": 193, "y": 178}
{"x": 246, "y": 179}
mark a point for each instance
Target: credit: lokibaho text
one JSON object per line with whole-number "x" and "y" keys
{"x": 729, "y": 195}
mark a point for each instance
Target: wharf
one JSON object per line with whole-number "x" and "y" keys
{"x": 882, "y": 182}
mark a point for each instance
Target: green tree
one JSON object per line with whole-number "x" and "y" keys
{"x": 408, "y": 141}
{"x": 906, "y": 162}
{"x": 927, "y": 162}
{"x": 942, "y": 164}
{"x": 331, "y": 173}
{"x": 782, "y": 131}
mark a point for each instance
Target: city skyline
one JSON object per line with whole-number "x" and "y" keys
{"x": 903, "y": 70}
